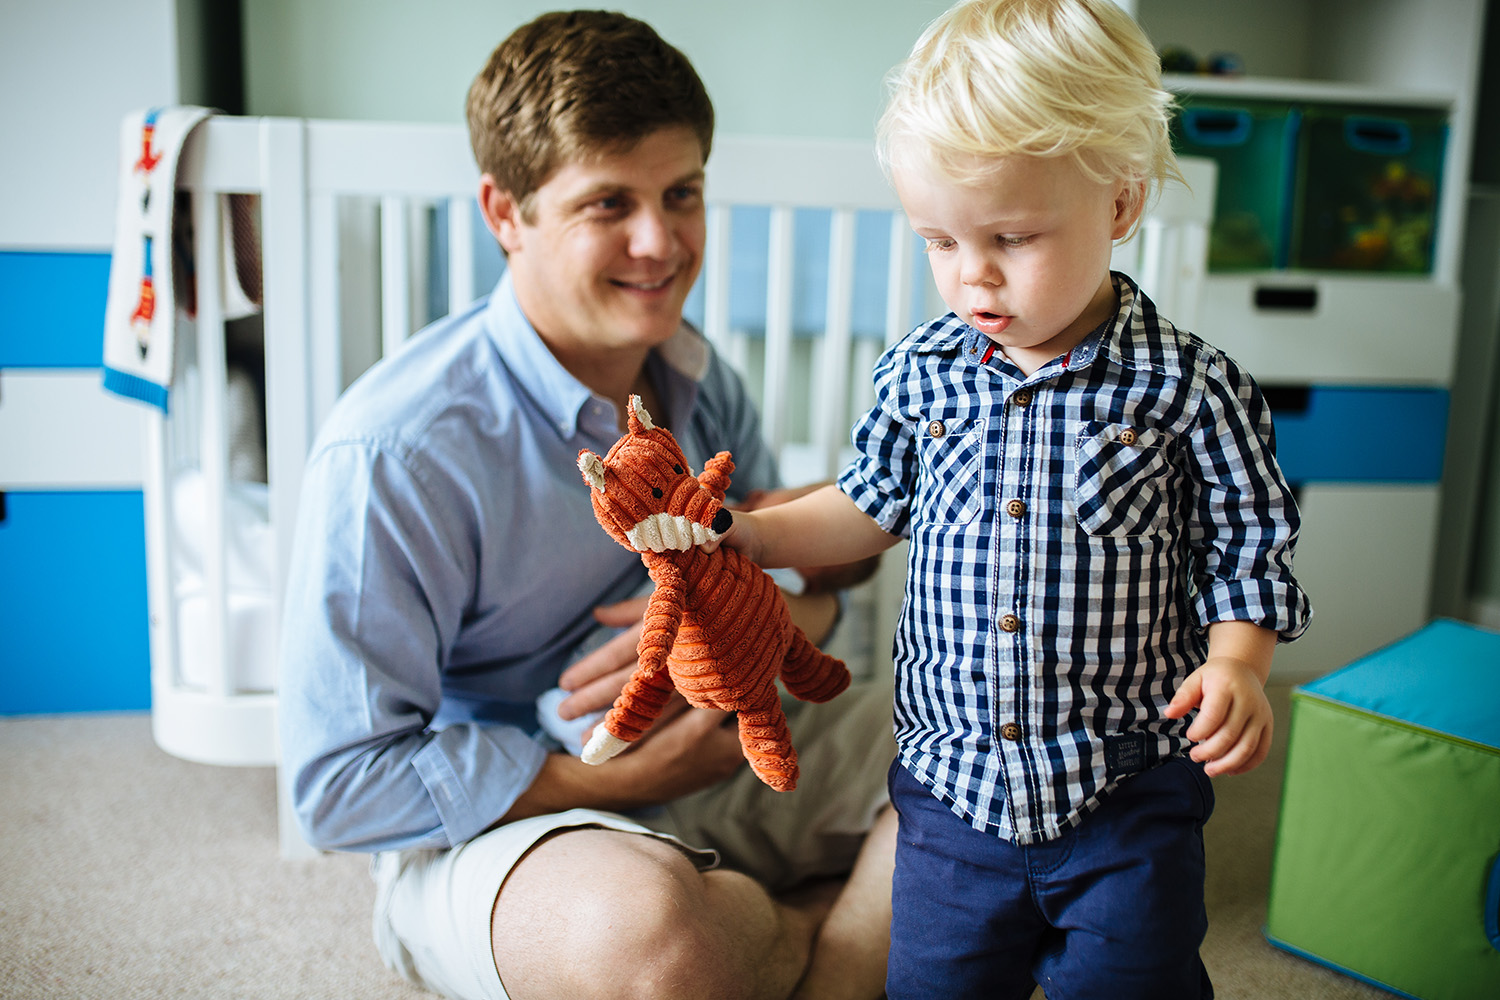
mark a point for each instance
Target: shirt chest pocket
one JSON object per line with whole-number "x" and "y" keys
{"x": 951, "y": 453}
{"x": 1121, "y": 479}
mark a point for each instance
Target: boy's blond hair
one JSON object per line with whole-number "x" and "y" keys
{"x": 995, "y": 78}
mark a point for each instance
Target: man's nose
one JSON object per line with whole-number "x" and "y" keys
{"x": 651, "y": 235}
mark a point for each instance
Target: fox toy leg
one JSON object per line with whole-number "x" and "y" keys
{"x": 767, "y": 742}
{"x": 634, "y": 711}
{"x": 811, "y": 674}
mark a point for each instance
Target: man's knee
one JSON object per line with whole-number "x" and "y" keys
{"x": 595, "y": 913}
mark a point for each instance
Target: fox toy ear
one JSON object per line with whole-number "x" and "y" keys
{"x": 592, "y": 467}
{"x": 639, "y": 420}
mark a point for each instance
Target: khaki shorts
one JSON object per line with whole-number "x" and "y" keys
{"x": 432, "y": 907}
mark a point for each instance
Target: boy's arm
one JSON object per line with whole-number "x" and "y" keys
{"x": 1234, "y": 726}
{"x": 820, "y": 529}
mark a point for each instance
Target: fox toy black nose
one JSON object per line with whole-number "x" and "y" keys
{"x": 722, "y": 520}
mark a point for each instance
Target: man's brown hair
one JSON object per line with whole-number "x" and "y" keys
{"x": 573, "y": 84}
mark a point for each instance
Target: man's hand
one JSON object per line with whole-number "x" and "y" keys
{"x": 595, "y": 681}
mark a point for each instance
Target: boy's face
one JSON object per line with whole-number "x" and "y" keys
{"x": 1022, "y": 256}
{"x": 611, "y": 245}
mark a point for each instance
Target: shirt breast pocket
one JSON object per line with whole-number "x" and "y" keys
{"x": 1121, "y": 482}
{"x": 951, "y": 453}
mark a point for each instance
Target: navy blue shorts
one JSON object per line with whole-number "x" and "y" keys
{"x": 1112, "y": 909}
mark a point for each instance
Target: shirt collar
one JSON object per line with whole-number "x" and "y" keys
{"x": 682, "y": 361}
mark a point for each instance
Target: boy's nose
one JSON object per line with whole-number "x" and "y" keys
{"x": 979, "y": 269}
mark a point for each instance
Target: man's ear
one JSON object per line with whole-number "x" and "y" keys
{"x": 502, "y": 213}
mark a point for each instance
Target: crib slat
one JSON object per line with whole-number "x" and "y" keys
{"x": 898, "y": 283}
{"x": 326, "y": 347}
{"x": 460, "y": 253}
{"x": 716, "y": 278}
{"x": 395, "y": 265}
{"x": 829, "y": 428}
{"x": 778, "y": 328}
{"x": 213, "y": 441}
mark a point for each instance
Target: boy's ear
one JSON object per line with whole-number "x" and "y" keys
{"x": 1130, "y": 202}
{"x": 502, "y": 213}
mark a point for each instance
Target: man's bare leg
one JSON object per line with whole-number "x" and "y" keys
{"x": 601, "y": 914}
{"x": 854, "y": 939}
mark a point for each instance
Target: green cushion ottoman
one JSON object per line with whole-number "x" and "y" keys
{"x": 1386, "y": 849}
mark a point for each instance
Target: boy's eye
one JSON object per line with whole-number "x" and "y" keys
{"x": 1014, "y": 241}
{"x": 939, "y": 243}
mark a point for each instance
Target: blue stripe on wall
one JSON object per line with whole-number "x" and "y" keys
{"x": 73, "y": 614}
{"x": 52, "y": 309}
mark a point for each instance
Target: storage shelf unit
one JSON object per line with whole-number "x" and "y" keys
{"x": 1368, "y": 543}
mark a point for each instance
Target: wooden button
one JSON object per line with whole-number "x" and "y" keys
{"x": 1011, "y": 731}
{"x": 936, "y": 429}
{"x": 1016, "y": 508}
{"x": 1022, "y": 398}
{"x": 1010, "y": 623}
{"x": 1127, "y": 436}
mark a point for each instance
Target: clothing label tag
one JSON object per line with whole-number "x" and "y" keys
{"x": 1126, "y": 753}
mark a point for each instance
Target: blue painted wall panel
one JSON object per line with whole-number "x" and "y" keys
{"x": 53, "y": 312}
{"x": 73, "y": 613}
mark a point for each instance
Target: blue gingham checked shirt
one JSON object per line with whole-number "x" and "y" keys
{"x": 1072, "y": 534}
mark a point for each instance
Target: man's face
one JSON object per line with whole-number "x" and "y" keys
{"x": 611, "y": 246}
{"x": 1022, "y": 256}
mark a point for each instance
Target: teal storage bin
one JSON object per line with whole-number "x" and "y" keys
{"x": 1254, "y": 144}
{"x": 1387, "y": 857}
{"x": 1367, "y": 189}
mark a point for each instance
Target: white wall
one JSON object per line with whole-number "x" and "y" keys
{"x": 70, "y": 70}
{"x": 774, "y": 67}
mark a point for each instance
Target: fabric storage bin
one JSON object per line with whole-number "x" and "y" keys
{"x": 1386, "y": 850}
{"x": 1254, "y": 143}
{"x": 1367, "y": 189}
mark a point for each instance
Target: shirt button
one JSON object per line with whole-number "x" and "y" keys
{"x": 1022, "y": 398}
{"x": 1127, "y": 436}
{"x": 1010, "y": 623}
{"x": 1010, "y": 731}
{"x": 936, "y": 429}
{"x": 1016, "y": 508}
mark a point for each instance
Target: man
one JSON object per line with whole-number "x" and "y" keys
{"x": 448, "y": 569}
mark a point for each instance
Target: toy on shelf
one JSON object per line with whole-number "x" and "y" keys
{"x": 717, "y": 628}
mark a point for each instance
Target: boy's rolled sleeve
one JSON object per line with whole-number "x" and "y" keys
{"x": 1245, "y": 521}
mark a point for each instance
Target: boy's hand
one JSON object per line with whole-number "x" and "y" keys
{"x": 1233, "y": 729}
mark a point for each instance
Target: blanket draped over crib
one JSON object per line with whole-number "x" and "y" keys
{"x": 152, "y": 274}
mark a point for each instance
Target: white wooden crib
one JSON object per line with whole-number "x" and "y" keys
{"x": 370, "y": 230}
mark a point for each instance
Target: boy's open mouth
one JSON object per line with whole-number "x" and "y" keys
{"x": 989, "y": 323}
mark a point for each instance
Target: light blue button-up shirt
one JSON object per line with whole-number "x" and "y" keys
{"x": 446, "y": 565}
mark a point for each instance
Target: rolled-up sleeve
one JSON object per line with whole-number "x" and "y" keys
{"x": 379, "y": 578}
{"x": 1245, "y": 520}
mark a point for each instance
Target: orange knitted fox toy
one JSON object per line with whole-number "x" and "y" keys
{"x": 717, "y": 628}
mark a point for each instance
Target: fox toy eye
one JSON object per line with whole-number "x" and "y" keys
{"x": 656, "y": 492}
{"x": 677, "y": 469}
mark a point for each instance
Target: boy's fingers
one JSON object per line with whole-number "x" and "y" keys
{"x": 1186, "y": 697}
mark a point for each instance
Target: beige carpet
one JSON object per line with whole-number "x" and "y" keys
{"x": 126, "y": 873}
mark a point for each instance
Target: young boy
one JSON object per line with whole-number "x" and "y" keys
{"x": 1101, "y": 540}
